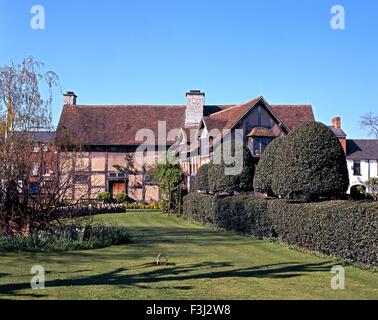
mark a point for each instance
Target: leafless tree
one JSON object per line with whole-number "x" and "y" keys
{"x": 369, "y": 122}
{"x": 35, "y": 178}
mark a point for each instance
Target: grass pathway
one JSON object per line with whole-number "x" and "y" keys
{"x": 208, "y": 264}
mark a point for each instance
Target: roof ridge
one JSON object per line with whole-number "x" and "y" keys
{"x": 127, "y": 105}
{"x": 237, "y": 106}
{"x": 290, "y": 105}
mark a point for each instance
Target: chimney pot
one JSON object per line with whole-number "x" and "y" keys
{"x": 336, "y": 122}
{"x": 70, "y": 98}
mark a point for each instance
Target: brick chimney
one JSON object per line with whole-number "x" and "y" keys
{"x": 70, "y": 98}
{"x": 195, "y": 101}
{"x": 336, "y": 122}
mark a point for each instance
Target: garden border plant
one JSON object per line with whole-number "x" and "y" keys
{"x": 69, "y": 238}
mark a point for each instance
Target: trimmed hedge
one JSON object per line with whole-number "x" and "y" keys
{"x": 220, "y": 182}
{"x": 202, "y": 179}
{"x": 265, "y": 168}
{"x": 199, "y": 207}
{"x": 312, "y": 164}
{"x": 338, "y": 228}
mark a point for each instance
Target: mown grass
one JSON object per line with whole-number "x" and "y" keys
{"x": 203, "y": 264}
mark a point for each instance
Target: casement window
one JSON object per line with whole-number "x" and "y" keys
{"x": 117, "y": 175}
{"x": 260, "y": 144}
{"x": 82, "y": 178}
{"x": 356, "y": 168}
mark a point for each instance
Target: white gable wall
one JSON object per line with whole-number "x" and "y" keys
{"x": 369, "y": 169}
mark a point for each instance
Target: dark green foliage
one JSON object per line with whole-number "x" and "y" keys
{"x": 265, "y": 168}
{"x": 66, "y": 239}
{"x": 123, "y": 197}
{"x": 199, "y": 207}
{"x": 312, "y": 164}
{"x": 338, "y": 228}
{"x": 202, "y": 180}
{"x": 105, "y": 197}
{"x": 245, "y": 179}
{"x": 220, "y": 182}
{"x": 170, "y": 176}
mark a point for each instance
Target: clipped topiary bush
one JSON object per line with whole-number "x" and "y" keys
{"x": 245, "y": 179}
{"x": 202, "y": 180}
{"x": 265, "y": 168}
{"x": 311, "y": 165}
{"x": 222, "y": 182}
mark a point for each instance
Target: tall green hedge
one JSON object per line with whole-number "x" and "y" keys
{"x": 200, "y": 207}
{"x": 202, "y": 179}
{"x": 338, "y": 228}
{"x": 265, "y": 169}
{"x": 312, "y": 164}
{"x": 220, "y": 182}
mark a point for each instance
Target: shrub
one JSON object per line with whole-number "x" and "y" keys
{"x": 358, "y": 192}
{"x": 312, "y": 164}
{"x": 265, "y": 168}
{"x": 372, "y": 183}
{"x": 105, "y": 197}
{"x": 199, "y": 207}
{"x": 339, "y": 228}
{"x": 202, "y": 180}
{"x": 66, "y": 239}
{"x": 122, "y": 197}
{"x": 221, "y": 182}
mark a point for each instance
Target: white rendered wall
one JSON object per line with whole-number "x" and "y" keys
{"x": 369, "y": 169}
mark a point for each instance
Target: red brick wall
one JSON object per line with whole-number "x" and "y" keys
{"x": 343, "y": 144}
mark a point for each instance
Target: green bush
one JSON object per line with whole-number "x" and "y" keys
{"x": 220, "y": 182}
{"x": 202, "y": 180}
{"x": 265, "y": 168}
{"x": 338, "y": 228}
{"x": 311, "y": 165}
{"x": 66, "y": 239}
{"x": 199, "y": 207}
{"x": 123, "y": 197}
{"x": 105, "y": 197}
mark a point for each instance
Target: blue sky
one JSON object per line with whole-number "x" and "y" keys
{"x": 152, "y": 52}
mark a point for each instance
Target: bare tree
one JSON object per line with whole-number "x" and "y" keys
{"x": 35, "y": 178}
{"x": 369, "y": 122}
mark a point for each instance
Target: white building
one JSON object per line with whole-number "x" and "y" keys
{"x": 362, "y": 159}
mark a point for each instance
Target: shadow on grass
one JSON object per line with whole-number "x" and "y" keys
{"x": 123, "y": 277}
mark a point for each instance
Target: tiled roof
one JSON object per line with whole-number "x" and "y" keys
{"x": 262, "y": 132}
{"x": 230, "y": 116}
{"x": 118, "y": 125}
{"x": 362, "y": 149}
{"x": 339, "y": 133}
{"x": 294, "y": 115}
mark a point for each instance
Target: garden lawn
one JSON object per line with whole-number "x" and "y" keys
{"x": 204, "y": 264}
